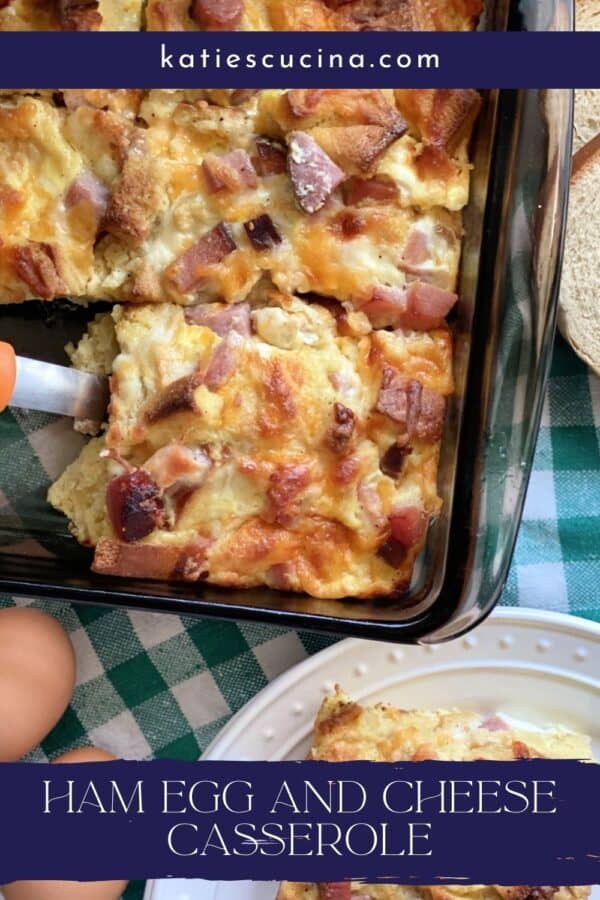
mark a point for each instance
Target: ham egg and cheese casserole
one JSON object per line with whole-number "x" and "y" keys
{"x": 255, "y": 15}
{"x": 282, "y": 264}
{"x": 346, "y": 731}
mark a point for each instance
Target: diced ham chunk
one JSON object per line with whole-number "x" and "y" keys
{"x": 494, "y": 723}
{"x": 241, "y": 95}
{"x": 262, "y": 233}
{"x": 392, "y": 552}
{"x": 419, "y": 258}
{"x": 313, "y": 174}
{"x": 335, "y": 891}
{"x": 231, "y": 172}
{"x": 217, "y": 13}
{"x": 427, "y": 303}
{"x": 223, "y": 362}
{"x": 134, "y": 505}
{"x": 408, "y": 525}
{"x": 74, "y": 99}
{"x": 370, "y": 501}
{"x": 392, "y": 461}
{"x": 86, "y": 188}
{"x": 417, "y": 249}
{"x": 271, "y": 157}
{"x": 387, "y": 308}
{"x": 420, "y": 306}
{"x": 175, "y": 466}
{"x": 189, "y": 269}
{"x": 418, "y": 410}
{"x": 231, "y": 318}
{"x": 379, "y": 190}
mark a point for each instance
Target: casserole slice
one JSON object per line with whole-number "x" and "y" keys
{"x": 275, "y": 445}
{"x": 313, "y": 15}
{"x": 194, "y": 196}
{"x": 255, "y": 15}
{"x": 344, "y": 731}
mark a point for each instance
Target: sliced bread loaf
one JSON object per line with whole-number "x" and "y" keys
{"x": 587, "y": 101}
{"x": 579, "y": 312}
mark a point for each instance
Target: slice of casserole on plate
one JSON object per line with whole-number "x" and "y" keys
{"x": 345, "y": 730}
{"x": 279, "y": 444}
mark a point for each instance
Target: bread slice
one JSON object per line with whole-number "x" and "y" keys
{"x": 587, "y": 101}
{"x": 579, "y": 311}
{"x": 587, "y": 15}
{"x": 586, "y": 122}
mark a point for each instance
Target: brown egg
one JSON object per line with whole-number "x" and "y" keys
{"x": 37, "y": 677}
{"x": 85, "y": 754}
{"x": 69, "y": 890}
{"x": 64, "y": 890}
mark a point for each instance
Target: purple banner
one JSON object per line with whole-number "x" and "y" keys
{"x": 522, "y": 822}
{"x": 295, "y": 60}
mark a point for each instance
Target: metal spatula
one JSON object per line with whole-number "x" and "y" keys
{"x": 31, "y": 384}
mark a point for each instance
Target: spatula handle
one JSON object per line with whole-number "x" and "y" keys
{"x": 8, "y": 374}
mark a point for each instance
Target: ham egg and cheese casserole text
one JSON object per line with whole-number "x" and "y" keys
{"x": 346, "y": 731}
{"x": 254, "y": 15}
{"x": 283, "y": 263}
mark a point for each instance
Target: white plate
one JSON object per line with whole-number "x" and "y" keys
{"x": 528, "y": 664}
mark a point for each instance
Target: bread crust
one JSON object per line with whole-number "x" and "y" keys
{"x": 584, "y": 156}
{"x": 585, "y": 339}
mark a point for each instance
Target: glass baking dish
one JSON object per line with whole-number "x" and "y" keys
{"x": 503, "y": 327}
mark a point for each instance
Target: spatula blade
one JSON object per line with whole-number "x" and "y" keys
{"x": 58, "y": 389}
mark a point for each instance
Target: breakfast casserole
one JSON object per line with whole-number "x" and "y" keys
{"x": 191, "y": 196}
{"x": 278, "y": 442}
{"x": 70, "y": 15}
{"x": 313, "y": 15}
{"x": 256, "y": 15}
{"x": 346, "y": 731}
{"x": 284, "y": 262}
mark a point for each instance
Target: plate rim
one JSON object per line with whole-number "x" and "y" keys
{"x": 521, "y": 617}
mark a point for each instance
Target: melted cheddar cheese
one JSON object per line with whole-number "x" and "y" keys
{"x": 320, "y": 15}
{"x": 284, "y": 417}
{"x": 279, "y": 376}
{"x": 249, "y": 15}
{"x": 103, "y": 195}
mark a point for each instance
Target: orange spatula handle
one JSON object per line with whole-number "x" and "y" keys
{"x": 8, "y": 374}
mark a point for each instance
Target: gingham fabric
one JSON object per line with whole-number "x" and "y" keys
{"x": 153, "y": 685}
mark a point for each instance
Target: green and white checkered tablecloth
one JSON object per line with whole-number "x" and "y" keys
{"x": 154, "y": 685}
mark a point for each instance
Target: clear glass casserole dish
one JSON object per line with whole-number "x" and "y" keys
{"x": 503, "y": 329}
